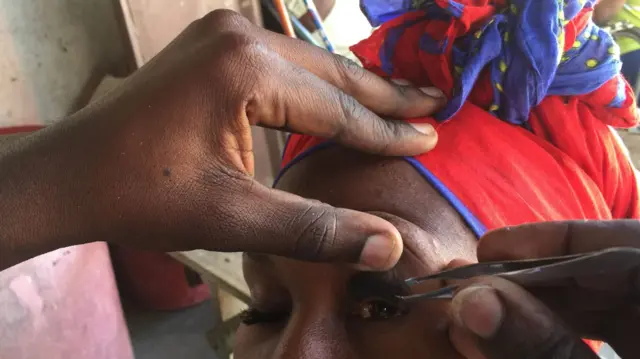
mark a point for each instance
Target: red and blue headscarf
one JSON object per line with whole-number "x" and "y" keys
{"x": 518, "y": 51}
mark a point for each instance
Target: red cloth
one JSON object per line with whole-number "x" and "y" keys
{"x": 19, "y": 129}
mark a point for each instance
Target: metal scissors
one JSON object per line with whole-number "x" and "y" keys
{"x": 533, "y": 272}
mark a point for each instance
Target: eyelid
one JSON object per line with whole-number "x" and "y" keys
{"x": 252, "y": 316}
{"x": 385, "y": 286}
{"x": 267, "y": 304}
{"x": 270, "y": 299}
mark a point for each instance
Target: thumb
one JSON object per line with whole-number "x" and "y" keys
{"x": 496, "y": 319}
{"x": 280, "y": 223}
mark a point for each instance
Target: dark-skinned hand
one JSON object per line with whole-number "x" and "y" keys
{"x": 497, "y": 319}
{"x": 166, "y": 162}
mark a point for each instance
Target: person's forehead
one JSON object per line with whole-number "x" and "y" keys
{"x": 349, "y": 179}
{"x": 432, "y": 230}
{"x": 345, "y": 178}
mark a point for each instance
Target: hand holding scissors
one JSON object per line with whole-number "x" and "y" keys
{"x": 548, "y": 312}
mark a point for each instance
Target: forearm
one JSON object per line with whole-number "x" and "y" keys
{"x": 33, "y": 212}
{"x": 606, "y": 10}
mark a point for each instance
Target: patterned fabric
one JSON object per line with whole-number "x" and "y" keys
{"x": 510, "y": 54}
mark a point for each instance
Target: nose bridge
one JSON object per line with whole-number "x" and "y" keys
{"x": 314, "y": 335}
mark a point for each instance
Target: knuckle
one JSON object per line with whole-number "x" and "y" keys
{"x": 382, "y": 134}
{"x": 237, "y": 42}
{"x": 223, "y": 19}
{"x": 228, "y": 33}
{"x": 403, "y": 92}
{"x": 317, "y": 234}
{"x": 351, "y": 109}
{"x": 217, "y": 173}
{"x": 358, "y": 122}
{"x": 349, "y": 72}
{"x": 244, "y": 59}
{"x": 348, "y": 109}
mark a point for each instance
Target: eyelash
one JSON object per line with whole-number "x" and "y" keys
{"x": 254, "y": 316}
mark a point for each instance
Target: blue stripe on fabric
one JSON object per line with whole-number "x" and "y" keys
{"x": 379, "y": 12}
{"x": 390, "y": 42}
{"x": 455, "y": 8}
{"x": 302, "y": 155}
{"x": 431, "y": 46}
{"x": 472, "y": 221}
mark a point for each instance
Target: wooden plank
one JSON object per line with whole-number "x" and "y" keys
{"x": 230, "y": 305}
{"x": 221, "y": 338}
{"x": 222, "y": 268}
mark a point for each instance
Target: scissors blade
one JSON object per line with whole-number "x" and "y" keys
{"x": 442, "y": 293}
{"x": 536, "y": 272}
{"x": 490, "y": 268}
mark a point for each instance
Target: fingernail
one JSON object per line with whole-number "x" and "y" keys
{"x": 425, "y": 128}
{"x": 401, "y": 82}
{"x": 377, "y": 251}
{"x": 478, "y": 309}
{"x": 432, "y": 91}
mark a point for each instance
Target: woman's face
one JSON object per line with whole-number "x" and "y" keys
{"x": 311, "y": 310}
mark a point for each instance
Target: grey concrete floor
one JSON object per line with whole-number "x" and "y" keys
{"x": 170, "y": 335}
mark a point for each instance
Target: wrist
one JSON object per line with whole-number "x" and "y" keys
{"x": 35, "y": 216}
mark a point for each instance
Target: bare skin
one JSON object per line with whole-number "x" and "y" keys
{"x": 550, "y": 324}
{"x": 332, "y": 311}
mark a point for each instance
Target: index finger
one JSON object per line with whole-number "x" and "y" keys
{"x": 373, "y": 92}
{"x": 557, "y": 238}
{"x": 304, "y": 103}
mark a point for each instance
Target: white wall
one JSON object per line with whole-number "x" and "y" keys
{"x": 51, "y": 49}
